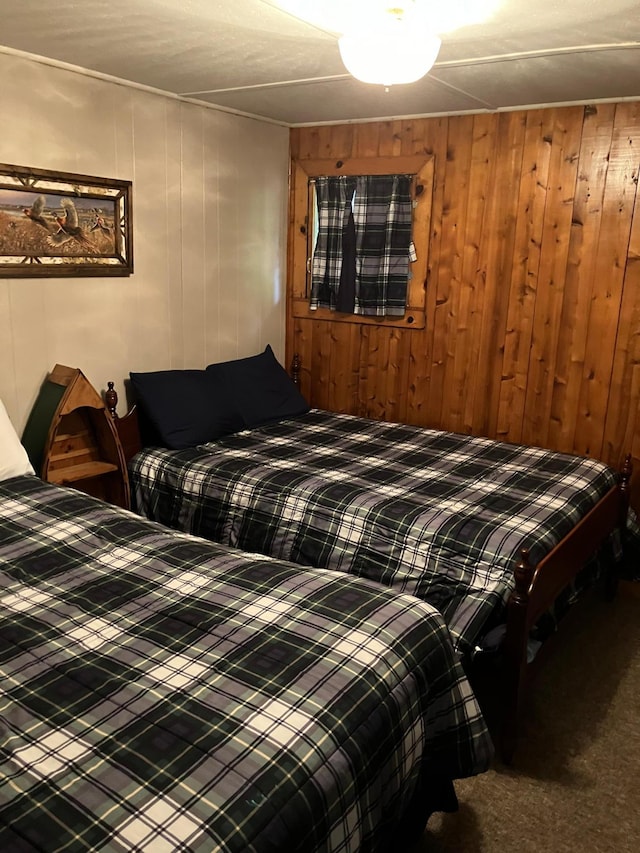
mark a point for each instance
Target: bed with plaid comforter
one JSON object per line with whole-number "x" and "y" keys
{"x": 439, "y": 515}
{"x": 159, "y": 692}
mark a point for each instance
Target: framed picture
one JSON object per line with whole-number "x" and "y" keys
{"x": 62, "y": 224}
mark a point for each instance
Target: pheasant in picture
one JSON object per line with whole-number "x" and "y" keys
{"x": 99, "y": 223}
{"x": 35, "y": 212}
{"x": 69, "y": 228}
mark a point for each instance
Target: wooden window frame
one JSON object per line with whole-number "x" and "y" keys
{"x": 420, "y": 166}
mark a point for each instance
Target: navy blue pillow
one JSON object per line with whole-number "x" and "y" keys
{"x": 261, "y": 389}
{"x": 185, "y": 407}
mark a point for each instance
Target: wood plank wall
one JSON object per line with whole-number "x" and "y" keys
{"x": 533, "y": 287}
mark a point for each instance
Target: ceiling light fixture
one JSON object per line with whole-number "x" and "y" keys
{"x": 386, "y": 42}
{"x": 392, "y": 47}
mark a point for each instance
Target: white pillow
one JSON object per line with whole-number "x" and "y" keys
{"x": 14, "y": 461}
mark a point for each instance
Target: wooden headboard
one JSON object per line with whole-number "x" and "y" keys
{"x": 127, "y": 427}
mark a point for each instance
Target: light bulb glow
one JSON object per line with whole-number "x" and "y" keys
{"x": 388, "y": 42}
{"x": 389, "y": 52}
{"x": 341, "y": 16}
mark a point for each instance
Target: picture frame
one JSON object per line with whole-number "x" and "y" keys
{"x": 63, "y": 224}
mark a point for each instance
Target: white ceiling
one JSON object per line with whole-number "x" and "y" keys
{"x": 250, "y": 57}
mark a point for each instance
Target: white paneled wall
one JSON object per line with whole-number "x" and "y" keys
{"x": 209, "y": 227}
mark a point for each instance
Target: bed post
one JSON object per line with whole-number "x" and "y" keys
{"x": 127, "y": 427}
{"x": 515, "y": 656}
{"x": 624, "y": 484}
{"x": 295, "y": 369}
{"x": 111, "y": 400}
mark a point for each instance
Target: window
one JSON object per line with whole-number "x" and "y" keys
{"x": 360, "y": 263}
{"x": 403, "y": 307}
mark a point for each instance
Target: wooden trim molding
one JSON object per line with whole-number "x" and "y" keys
{"x": 409, "y": 165}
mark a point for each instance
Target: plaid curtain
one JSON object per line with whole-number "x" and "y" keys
{"x": 382, "y": 214}
{"x": 361, "y": 260}
{"x": 334, "y": 201}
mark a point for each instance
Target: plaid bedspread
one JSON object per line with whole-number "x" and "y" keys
{"x": 162, "y": 693}
{"x": 439, "y": 515}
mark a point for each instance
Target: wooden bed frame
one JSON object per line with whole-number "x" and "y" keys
{"x": 503, "y": 688}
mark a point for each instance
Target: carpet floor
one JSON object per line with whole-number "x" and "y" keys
{"x": 575, "y": 781}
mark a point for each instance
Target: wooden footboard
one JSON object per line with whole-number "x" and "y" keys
{"x": 536, "y": 588}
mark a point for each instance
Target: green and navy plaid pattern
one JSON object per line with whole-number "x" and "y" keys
{"x": 439, "y": 515}
{"x": 334, "y": 197}
{"x": 162, "y": 693}
{"x": 382, "y": 217}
